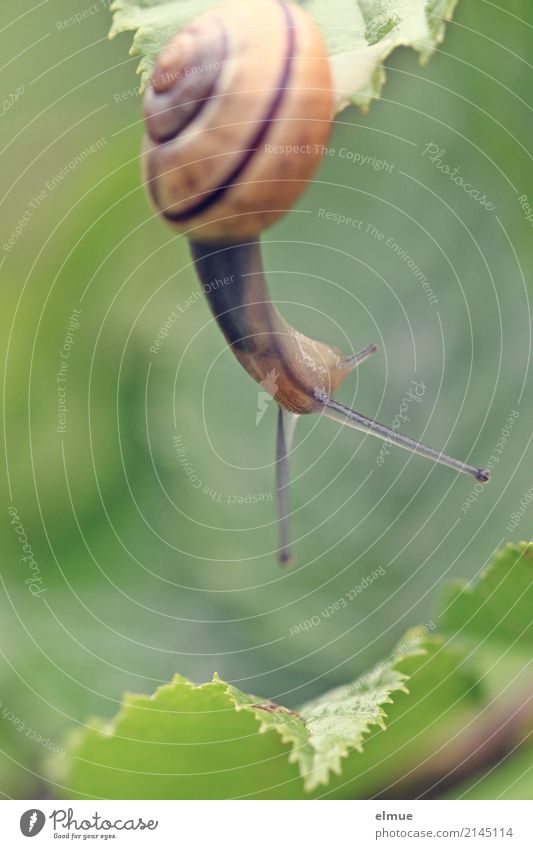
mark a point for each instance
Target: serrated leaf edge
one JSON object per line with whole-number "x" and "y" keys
{"x": 376, "y": 78}
{"x": 462, "y": 586}
{"x": 318, "y": 772}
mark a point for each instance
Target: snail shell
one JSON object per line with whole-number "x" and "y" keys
{"x": 237, "y": 113}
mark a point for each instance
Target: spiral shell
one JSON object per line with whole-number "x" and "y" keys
{"x": 237, "y": 113}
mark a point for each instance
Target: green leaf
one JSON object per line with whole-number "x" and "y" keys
{"x": 495, "y": 607}
{"x": 213, "y": 741}
{"x": 443, "y": 695}
{"x": 359, "y": 34}
{"x": 185, "y": 741}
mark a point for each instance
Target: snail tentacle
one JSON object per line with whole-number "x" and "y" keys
{"x": 346, "y": 416}
{"x": 284, "y": 438}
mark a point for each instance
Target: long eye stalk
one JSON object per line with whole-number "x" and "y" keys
{"x": 339, "y": 413}
{"x": 345, "y": 416}
{"x": 284, "y": 437}
{"x": 300, "y": 373}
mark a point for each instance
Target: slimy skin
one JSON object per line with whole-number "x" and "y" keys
{"x": 263, "y": 342}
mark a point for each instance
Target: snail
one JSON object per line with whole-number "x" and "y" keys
{"x": 238, "y": 110}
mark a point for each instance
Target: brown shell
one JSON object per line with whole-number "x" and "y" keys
{"x": 239, "y": 108}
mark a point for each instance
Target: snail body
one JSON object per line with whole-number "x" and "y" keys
{"x": 237, "y": 114}
{"x": 264, "y": 343}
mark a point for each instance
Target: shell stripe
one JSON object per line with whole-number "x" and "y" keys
{"x": 196, "y": 107}
{"x": 215, "y": 195}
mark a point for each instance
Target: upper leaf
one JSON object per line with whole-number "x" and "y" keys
{"x": 359, "y": 34}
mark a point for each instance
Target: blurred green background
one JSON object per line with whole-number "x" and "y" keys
{"x": 143, "y": 574}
